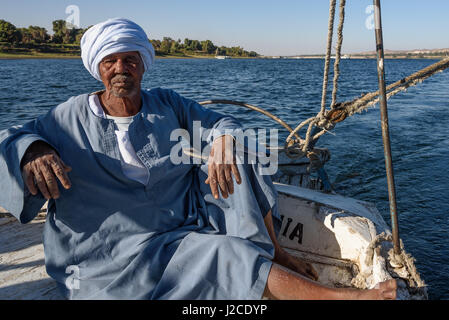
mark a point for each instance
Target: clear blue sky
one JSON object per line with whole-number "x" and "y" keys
{"x": 275, "y": 27}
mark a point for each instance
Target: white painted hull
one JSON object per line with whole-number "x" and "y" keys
{"x": 338, "y": 236}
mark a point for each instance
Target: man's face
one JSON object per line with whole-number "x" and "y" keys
{"x": 122, "y": 73}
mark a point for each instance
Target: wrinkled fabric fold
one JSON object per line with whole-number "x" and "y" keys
{"x": 110, "y": 237}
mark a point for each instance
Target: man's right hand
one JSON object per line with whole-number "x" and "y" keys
{"x": 41, "y": 165}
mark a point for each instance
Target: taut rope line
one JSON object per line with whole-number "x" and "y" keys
{"x": 320, "y": 119}
{"x": 252, "y": 107}
{"x": 338, "y": 53}
{"x": 366, "y": 100}
{"x": 346, "y": 109}
{"x": 330, "y": 34}
{"x": 326, "y": 120}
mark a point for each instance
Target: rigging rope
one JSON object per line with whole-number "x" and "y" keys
{"x": 345, "y": 109}
{"x": 338, "y": 53}
{"x": 252, "y": 107}
{"x": 326, "y": 120}
{"x": 339, "y": 111}
{"x": 320, "y": 120}
{"x": 330, "y": 34}
{"x": 368, "y": 99}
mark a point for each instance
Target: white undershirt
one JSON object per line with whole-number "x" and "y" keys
{"x": 132, "y": 167}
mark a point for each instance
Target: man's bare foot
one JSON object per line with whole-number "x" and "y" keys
{"x": 382, "y": 291}
{"x": 285, "y": 284}
{"x": 295, "y": 264}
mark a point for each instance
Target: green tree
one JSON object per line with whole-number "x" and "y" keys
{"x": 207, "y": 46}
{"x": 69, "y": 36}
{"x": 195, "y": 45}
{"x": 187, "y": 44}
{"x": 60, "y": 30}
{"x": 9, "y": 32}
{"x": 26, "y": 36}
{"x": 174, "y": 47}
{"x": 156, "y": 44}
{"x": 235, "y": 51}
{"x": 38, "y": 34}
{"x": 166, "y": 44}
{"x": 221, "y": 51}
{"x": 79, "y": 35}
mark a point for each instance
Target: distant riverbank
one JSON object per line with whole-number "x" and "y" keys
{"x": 358, "y": 57}
{"x": 41, "y": 55}
{"x": 389, "y": 54}
{"x": 37, "y": 56}
{"x": 49, "y": 50}
{"x": 70, "y": 55}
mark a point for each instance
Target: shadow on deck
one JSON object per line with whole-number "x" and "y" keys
{"x": 22, "y": 263}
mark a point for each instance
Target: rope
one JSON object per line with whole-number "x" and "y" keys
{"x": 369, "y": 99}
{"x": 320, "y": 120}
{"x": 373, "y": 244}
{"x": 330, "y": 33}
{"x": 338, "y": 53}
{"x": 255, "y": 108}
{"x": 396, "y": 260}
{"x": 342, "y": 110}
{"x": 345, "y": 109}
{"x": 338, "y": 111}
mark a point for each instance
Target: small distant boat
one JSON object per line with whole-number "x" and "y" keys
{"x": 222, "y": 57}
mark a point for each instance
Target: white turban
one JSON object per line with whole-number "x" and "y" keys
{"x": 114, "y": 36}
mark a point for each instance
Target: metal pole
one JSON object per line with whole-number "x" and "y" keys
{"x": 384, "y": 122}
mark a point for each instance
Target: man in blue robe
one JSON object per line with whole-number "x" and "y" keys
{"x": 124, "y": 221}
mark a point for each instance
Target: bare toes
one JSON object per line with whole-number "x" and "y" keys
{"x": 387, "y": 289}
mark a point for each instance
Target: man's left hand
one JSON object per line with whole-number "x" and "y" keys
{"x": 221, "y": 167}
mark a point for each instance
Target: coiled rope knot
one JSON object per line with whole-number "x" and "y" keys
{"x": 324, "y": 123}
{"x": 321, "y": 120}
{"x": 396, "y": 261}
{"x": 315, "y": 160}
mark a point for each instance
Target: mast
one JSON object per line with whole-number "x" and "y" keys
{"x": 384, "y": 124}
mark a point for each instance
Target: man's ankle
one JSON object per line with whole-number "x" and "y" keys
{"x": 279, "y": 254}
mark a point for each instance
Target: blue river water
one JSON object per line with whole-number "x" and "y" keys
{"x": 291, "y": 89}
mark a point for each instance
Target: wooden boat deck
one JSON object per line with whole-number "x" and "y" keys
{"x": 22, "y": 266}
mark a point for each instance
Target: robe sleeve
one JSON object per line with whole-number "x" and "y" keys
{"x": 189, "y": 111}
{"x": 14, "y": 196}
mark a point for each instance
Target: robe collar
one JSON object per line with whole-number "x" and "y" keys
{"x": 98, "y": 110}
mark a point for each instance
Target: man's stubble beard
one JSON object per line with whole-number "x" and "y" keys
{"x": 130, "y": 89}
{"x": 121, "y": 92}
